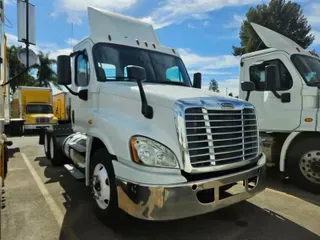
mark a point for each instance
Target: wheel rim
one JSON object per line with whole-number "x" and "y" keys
{"x": 101, "y": 186}
{"x": 51, "y": 149}
{"x": 310, "y": 166}
{"x": 45, "y": 143}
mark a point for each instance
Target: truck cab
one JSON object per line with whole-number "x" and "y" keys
{"x": 143, "y": 136}
{"x": 285, "y": 92}
{"x": 34, "y": 106}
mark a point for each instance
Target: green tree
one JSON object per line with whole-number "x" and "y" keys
{"x": 15, "y": 68}
{"x": 213, "y": 86}
{"x": 45, "y": 72}
{"x": 286, "y": 18}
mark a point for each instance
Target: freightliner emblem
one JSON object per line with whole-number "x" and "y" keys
{"x": 226, "y": 106}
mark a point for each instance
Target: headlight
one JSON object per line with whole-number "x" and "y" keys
{"x": 152, "y": 153}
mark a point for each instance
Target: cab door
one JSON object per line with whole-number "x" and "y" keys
{"x": 274, "y": 114}
{"x": 81, "y": 109}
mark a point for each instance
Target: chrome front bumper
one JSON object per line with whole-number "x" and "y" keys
{"x": 37, "y": 126}
{"x": 168, "y": 202}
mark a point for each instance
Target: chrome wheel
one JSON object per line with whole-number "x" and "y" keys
{"x": 310, "y": 166}
{"x": 51, "y": 148}
{"x": 101, "y": 186}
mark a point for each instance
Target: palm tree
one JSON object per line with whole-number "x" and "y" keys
{"x": 45, "y": 72}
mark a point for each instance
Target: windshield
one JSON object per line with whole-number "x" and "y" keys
{"x": 112, "y": 61}
{"x": 38, "y": 108}
{"x": 308, "y": 67}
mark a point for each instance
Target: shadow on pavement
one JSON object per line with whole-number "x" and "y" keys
{"x": 275, "y": 182}
{"x": 241, "y": 221}
{"x": 12, "y": 151}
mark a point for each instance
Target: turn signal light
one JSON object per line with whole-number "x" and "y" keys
{"x": 308, "y": 119}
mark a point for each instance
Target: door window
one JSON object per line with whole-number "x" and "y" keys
{"x": 82, "y": 71}
{"x": 258, "y": 74}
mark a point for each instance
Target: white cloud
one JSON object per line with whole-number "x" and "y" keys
{"x": 208, "y": 72}
{"x": 9, "y": 2}
{"x": 313, "y": 16}
{"x": 53, "y": 48}
{"x": 226, "y": 86}
{"x": 175, "y": 11}
{"x": 205, "y": 23}
{"x": 190, "y": 25}
{"x": 236, "y": 21}
{"x": 316, "y": 37}
{"x": 76, "y": 9}
{"x": 195, "y": 61}
{"x": 229, "y": 86}
{"x": 72, "y": 41}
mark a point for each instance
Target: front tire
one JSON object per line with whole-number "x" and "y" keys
{"x": 304, "y": 164}
{"x": 103, "y": 187}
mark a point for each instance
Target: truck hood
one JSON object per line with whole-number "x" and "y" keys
{"x": 160, "y": 94}
{"x": 273, "y": 39}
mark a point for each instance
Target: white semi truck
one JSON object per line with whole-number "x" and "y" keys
{"x": 283, "y": 82}
{"x": 142, "y": 136}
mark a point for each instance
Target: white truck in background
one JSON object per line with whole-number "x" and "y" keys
{"x": 142, "y": 136}
{"x": 283, "y": 82}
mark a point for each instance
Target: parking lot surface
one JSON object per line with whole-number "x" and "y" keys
{"x": 46, "y": 203}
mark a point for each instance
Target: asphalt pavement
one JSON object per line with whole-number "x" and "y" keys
{"x": 42, "y": 202}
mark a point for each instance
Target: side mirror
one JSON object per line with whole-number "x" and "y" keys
{"x": 248, "y": 86}
{"x": 63, "y": 70}
{"x": 83, "y": 94}
{"x": 137, "y": 73}
{"x": 272, "y": 77}
{"x": 197, "y": 80}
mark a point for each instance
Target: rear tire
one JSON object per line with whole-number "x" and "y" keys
{"x": 56, "y": 155}
{"x": 46, "y": 145}
{"x": 103, "y": 187}
{"x": 304, "y": 164}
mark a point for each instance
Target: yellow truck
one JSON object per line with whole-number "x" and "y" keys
{"x": 34, "y": 106}
{"x": 61, "y": 106}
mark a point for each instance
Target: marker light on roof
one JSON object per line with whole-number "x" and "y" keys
{"x": 146, "y": 44}
{"x": 137, "y": 41}
{"x": 298, "y": 49}
{"x": 109, "y": 36}
{"x": 154, "y": 46}
{"x": 173, "y": 50}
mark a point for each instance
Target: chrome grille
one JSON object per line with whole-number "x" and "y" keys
{"x": 217, "y": 137}
{"x": 42, "y": 120}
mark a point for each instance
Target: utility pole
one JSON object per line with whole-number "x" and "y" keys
{"x": 27, "y": 31}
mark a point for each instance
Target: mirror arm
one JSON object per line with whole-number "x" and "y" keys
{"x": 277, "y": 95}
{"x": 248, "y": 95}
{"x": 146, "y": 110}
{"x": 72, "y": 92}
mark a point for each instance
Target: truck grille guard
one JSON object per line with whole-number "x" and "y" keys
{"x": 216, "y": 134}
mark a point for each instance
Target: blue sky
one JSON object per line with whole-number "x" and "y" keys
{"x": 202, "y": 31}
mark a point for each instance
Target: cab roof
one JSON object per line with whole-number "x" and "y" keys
{"x": 113, "y": 28}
